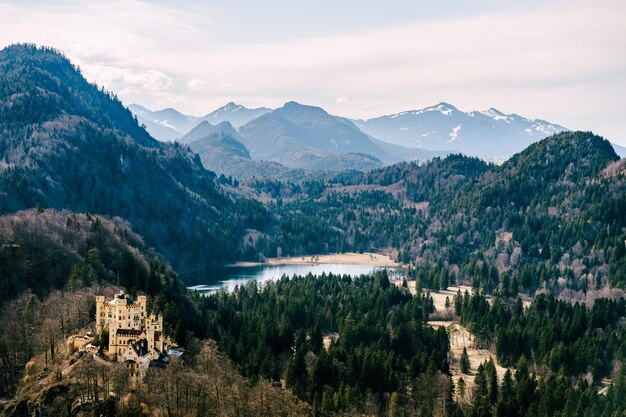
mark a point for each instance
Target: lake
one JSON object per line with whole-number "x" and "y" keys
{"x": 230, "y": 277}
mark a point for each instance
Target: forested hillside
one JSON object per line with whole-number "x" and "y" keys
{"x": 550, "y": 217}
{"x": 53, "y": 381}
{"x": 41, "y": 250}
{"x": 66, "y": 144}
{"x": 45, "y": 251}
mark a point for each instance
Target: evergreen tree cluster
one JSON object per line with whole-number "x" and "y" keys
{"x": 381, "y": 343}
{"x": 559, "y": 337}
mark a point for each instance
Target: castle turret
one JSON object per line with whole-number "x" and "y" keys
{"x": 100, "y": 312}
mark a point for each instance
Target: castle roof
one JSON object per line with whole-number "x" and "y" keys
{"x": 128, "y": 332}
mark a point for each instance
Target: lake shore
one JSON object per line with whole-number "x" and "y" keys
{"x": 374, "y": 259}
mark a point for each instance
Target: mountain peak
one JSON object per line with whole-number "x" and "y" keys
{"x": 444, "y": 108}
{"x": 572, "y": 155}
{"x": 446, "y": 105}
{"x": 236, "y": 114}
{"x": 293, "y": 107}
{"x": 297, "y": 112}
{"x": 231, "y": 106}
{"x": 496, "y": 115}
{"x": 494, "y": 111}
{"x": 135, "y": 106}
{"x": 224, "y": 125}
{"x": 204, "y": 129}
{"x": 293, "y": 104}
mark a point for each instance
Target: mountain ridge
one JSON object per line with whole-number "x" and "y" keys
{"x": 490, "y": 134}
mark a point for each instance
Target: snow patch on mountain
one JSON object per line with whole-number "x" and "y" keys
{"x": 454, "y": 134}
{"x": 166, "y": 124}
{"x": 497, "y": 115}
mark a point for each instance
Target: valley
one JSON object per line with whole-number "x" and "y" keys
{"x": 395, "y": 258}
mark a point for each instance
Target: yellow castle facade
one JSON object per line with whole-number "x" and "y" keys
{"x": 135, "y": 337}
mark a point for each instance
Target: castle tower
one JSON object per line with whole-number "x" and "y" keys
{"x": 100, "y": 312}
{"x": 161, "y": 337}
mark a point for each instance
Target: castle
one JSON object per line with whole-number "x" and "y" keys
{"x": 135, "y": 338}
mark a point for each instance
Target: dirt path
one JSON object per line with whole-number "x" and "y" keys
{"x": 460, "y": 338}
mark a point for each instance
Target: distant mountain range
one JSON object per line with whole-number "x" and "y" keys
{"x": 488, "y": 134}
{"x": 307, "y": 137}
{"x": 293, "y": 137}
{"x": 169, "y": 124}
{"x": 297, "y": 136}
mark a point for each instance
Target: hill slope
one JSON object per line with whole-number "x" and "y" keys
{"x": 44, "y": 250}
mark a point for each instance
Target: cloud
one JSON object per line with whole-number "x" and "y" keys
{"x": 196, "y": 85}
{"x": 128, "y": 80}
{"x": 343, "y": 100}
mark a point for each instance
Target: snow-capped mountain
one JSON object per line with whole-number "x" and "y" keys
{"x": 489, "y": 134}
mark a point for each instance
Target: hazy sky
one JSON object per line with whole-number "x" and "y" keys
{"x": 564, "y": 61}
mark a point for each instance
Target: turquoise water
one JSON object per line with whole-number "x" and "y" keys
{"x": 229, "y": 278}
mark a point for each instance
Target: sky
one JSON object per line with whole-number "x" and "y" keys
{"x": 562, "y": 61}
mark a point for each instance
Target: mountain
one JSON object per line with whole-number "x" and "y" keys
{"x": 410, "y": 135}
{"x": 490, "y": 134}
{"x": 221, "y": 151}
{"x": 225, "y": 155}
{"x": 307, "y": 137}
{"x": 542, "y": 175}
{"x": 165, "y": 125}
{"x": 236, "y": 114}
{"x": 313, "y": 138}
{"x": 65, "y": 144}
{"x": 205, "y": 128}
{"x": 169, "y": 124}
